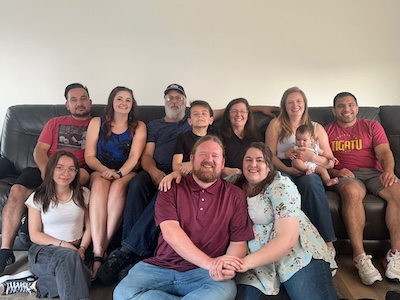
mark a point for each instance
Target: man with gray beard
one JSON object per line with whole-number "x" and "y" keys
{"x": 139, "y": 233}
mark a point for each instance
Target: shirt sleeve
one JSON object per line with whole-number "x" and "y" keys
{"x": 165, "y": 206}
{"x": 285, "y": 197}
{"x": 31, "y": 203}
{"x": 47, "y": 134}
{"x": 378, "y": 134}
{"x": 179, "y": 145}
{"x": 152, "y": 132}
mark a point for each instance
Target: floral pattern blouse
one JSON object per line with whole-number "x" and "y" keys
{"x": 281, "y": 199}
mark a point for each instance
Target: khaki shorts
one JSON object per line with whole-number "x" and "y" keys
{"x": 368, "y": 179}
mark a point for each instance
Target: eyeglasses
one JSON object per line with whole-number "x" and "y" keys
{"x": 170, "y": 98}
{"x": 235, "y": 111}
{"x": 62, "y": 169}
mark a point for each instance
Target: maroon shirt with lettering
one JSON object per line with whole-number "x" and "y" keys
{"x": 211, "y": 217}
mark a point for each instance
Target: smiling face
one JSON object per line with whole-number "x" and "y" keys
{"x": 175, "y": 105}
{"x": 238, "y": 115}
{"x": 294, "y": 104}
{"x": 78, "y": 103}
{"x": 255, "y": 168}
{"x": 123, "y": 102}
{"x": 345, "y": 111}
{"x": 65, "y": 171}
{"x": 208, "y": 162}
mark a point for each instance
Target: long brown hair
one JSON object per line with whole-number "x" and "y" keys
{"x": 226, "y": 127}
{"x": 46, "y": 193}
{"x": 267, "y": 155}
{"x": 283, "y": 117}
{"x": 109, "y": 111}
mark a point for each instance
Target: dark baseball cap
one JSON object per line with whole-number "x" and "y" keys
{"x": 175, "y": 87}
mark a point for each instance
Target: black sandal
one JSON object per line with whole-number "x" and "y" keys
{"x": 99, "y": 259}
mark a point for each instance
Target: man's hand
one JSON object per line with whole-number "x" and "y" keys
{"x": 268, "y": 110}
{"x": 345, "y": 173}
{"x": 388, "y": 178}
{"x": 224, "y": 267}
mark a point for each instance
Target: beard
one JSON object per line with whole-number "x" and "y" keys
{"x": 84, "y": 112}
{"x": 175, "y": 112}
{"x": 81, "y": 115}
{"x": 206, "y": 176}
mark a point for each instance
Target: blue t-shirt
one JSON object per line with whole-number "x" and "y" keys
{"x": 164, "y": 134}
{"x": 114, "y": 150}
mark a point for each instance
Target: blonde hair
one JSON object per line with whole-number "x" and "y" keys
{"x": 286, "y": 128}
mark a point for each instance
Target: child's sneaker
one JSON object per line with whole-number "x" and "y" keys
{"x": 366, "y": 270}
{"x": 18, "y": 283}
{"x": 392, "y": 265}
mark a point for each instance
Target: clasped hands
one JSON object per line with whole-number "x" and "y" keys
{"x": 225, "y": 267}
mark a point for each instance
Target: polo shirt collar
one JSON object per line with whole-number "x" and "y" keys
{"x": 213, "y": 189}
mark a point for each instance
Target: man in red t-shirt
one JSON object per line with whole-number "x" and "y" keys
{"x": 60, "y": 133}
{"x": 204, "y": 228}
{"x": 366, "y": 163}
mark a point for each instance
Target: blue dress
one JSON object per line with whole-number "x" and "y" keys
{"x": 113, "y": 151}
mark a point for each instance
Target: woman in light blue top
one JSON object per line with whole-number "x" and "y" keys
{"x": 287, "y": 250}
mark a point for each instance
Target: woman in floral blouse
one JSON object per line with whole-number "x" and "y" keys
{"x": 288, "y": 257}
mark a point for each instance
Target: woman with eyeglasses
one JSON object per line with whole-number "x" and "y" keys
{"x": 237, "y": 131}
{"x": 59, "y": 229}
{"x": 114, "y": 145}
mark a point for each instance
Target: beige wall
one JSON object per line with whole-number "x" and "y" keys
{"x": 218, "y": 50}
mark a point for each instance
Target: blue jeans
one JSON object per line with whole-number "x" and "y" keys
{"x": 314, "y": 203}
{"x": 146, "y": 281}
{"x": 139, "y": 231}
{"x": 60, "y": 271}
{"x": 313, "y": 282}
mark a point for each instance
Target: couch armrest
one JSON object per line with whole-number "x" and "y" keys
{"x": 6, "y": 167}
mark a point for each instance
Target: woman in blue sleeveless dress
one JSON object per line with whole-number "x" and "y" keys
{"x": 114, "y": 145}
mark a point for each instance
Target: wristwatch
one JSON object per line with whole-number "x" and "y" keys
{"x": 119, "y": 173}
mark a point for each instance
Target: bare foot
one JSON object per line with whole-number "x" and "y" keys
{"x": 309, "y": 171}
{"x": 332, "y": 181}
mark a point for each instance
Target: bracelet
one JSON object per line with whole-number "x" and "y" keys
{"x": 61, "y": 243}
{"x": 82, "y": 247}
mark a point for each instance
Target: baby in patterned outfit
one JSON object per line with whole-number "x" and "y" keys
{"x": 304, "y": 140}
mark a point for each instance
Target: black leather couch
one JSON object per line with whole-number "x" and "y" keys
{"x": 23, "y": 124}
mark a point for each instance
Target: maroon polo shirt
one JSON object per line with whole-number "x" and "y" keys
{"x": 211, "y": 217}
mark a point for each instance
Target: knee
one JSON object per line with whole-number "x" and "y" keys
{"x": 352, "y": 193}
{"x": 392, "y": 194}
{"x": 99, "y": 185}
{"x": 16, "y": 191}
